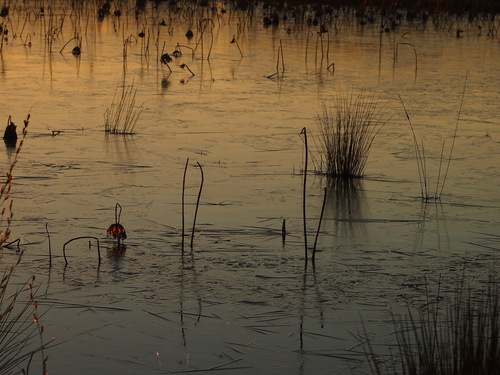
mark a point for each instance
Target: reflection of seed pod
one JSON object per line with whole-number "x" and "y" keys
{"x": 116, "y": 250}
{"x": 177, "y": 53}
{"x": 189, "y": 34}
{"x": 117, "y": 231}
{"x": 142, "y": 34}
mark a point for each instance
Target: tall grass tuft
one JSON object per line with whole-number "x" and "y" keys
{"x": 347, "y": 128}
{"x": 461, "y": 337}
{"x": 124, "y": 112}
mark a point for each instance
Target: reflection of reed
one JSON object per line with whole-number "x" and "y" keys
{"x": 345, "y": 208}
{"x": 441, "y": 229}
{"x": 187, "y": 263}
{"x": 319, "y": 305}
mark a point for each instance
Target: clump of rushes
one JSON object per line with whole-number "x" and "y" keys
{"x": 461, "y": 337}
{"x": 347, "y": 128}
{"x": 124, "y": 113}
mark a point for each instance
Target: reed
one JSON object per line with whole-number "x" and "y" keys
{"x": 197, "y": 203}
{"x": 461, "y": 337}
{"x": 122, "y": 116}
{"x": 182, "y": 204}
{"x": 426, "y": 193}
{"x": 304, "y": 194}
{"x": 347, "y": 128}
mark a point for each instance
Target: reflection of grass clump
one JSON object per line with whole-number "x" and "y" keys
{"x": 347, "y": 129}
{"x": 123, "y": 114}
{"x": 462, "y": 338}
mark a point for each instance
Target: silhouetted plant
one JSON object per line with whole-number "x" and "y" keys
{"x": 124, "y": 113}
{"x": 347, "y": 128}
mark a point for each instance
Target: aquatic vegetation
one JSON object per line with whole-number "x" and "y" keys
{"x": 124, "y": 113}
{"x": 425, "y": 186}
{"x": 19, "y": 313}
{"x": 460, "y": 338}
{"x": 347, "y": 128}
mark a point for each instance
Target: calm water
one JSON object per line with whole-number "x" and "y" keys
{"x": 242, "y": 299}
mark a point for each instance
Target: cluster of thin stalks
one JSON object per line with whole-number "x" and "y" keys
{"x": 427, "y": 192}
{"x": 19, "y": 314}
{"x": 461, "y": 337}
{"x": 347, "y": 128}
{"x": 124, "y": 113}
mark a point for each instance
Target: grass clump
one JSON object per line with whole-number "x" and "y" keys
{"x": 462, "y": 337}
{"x": 124, "y": 112}
{"x": 347, "y": 128}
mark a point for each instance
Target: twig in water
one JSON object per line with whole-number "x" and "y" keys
{"x": 235, "y": 41}
{"x": 182, "y": 66}
{"x": 80, "y": 238}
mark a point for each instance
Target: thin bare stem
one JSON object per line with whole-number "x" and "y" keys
{"x": 197, "y": 204}
{"x": 183, "y": 213}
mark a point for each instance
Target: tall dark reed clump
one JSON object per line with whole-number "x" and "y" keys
{"x": 347, "y": 128}
{"x": 460, "y": 337}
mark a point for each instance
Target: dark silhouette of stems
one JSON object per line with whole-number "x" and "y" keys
{"x": 304, "y": 132}
{"x": 197, "y": 204}
{"x": 319, "y": 227}
{"x": 81, "y": 238}
{"x": 183, "y": 190}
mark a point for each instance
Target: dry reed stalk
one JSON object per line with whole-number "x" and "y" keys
{"x": 80, "y": 238}
{"x": 197, "y": 204}
{"x": 235, "y": 41}
{"x": 454, "y": 135}
{"x": 182, "y": 204}
{"x": 347, "y": 129}
{"x": 279, "y": 58}
{"x": 202, "y": 26}
{"x": 423, "y": 174}
{"x": 304, "y": 191}
{"x": 313, "y": 258}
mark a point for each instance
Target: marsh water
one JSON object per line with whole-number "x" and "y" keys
{"x": 240, "y": 300}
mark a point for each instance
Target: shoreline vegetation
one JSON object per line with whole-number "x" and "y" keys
{"x": 340, "y": 133}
